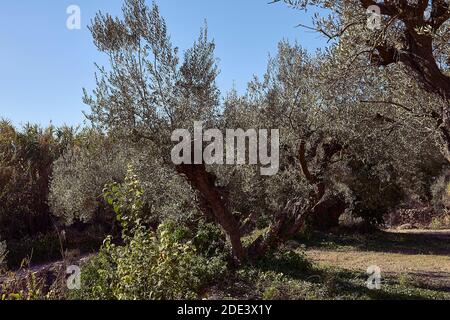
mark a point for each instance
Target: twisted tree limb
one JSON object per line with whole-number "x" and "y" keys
{"x": 213, "y": 204}
{"x": 290, "y": 220}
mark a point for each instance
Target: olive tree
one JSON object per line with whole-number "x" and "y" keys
{"x": 329, "y": 125}
{"x": 383, "y": 34}
{"x": 80, "y": 175}
{"x": 147, "y": 93}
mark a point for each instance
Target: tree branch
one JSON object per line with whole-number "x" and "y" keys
{"x": 440, "y": 13}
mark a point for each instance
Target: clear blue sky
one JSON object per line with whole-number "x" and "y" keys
{"x": 44, "y": 66}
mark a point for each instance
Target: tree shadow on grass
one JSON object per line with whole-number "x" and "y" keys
{"x": 436, "y": 281}
{"x": 379, "y": 241}
{"x": 341, "y": 283}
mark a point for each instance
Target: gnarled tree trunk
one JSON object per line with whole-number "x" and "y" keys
{"x": 213, "y": 204}
{"x": 417, "y": 52}
{"x": 286, "y": 223}
{"x": 293, "y": 217}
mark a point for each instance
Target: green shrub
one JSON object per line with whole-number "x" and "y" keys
{"x": 97, "y": 279}
{"x": 150, "y": 266}
{"x": 374, "y": 191}
{"x": 80, "y": 175}
{"x": 159, "y": 267}
{"x": 440, "y": 222}
{"x": 161, "y": 264}
{"x": 286, "y": 261}
{"x": 440, "y": 191}
{"x": 210, "y": 241}
{"x": 26, "y": 164}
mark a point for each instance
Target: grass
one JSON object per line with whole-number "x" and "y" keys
{"x": 380, "y": 241}
{"x": 320, "y": 283}
{"x": 333, "y": 266}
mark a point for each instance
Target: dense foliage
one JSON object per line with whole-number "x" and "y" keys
{"x": 161, "y": 264}
{"x": 26, "y": 162}
{"x": 362, "y": 135}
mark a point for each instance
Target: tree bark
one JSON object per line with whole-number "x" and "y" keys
{"x": 287, "y": 222}
{"x": 327, "y": 212}
{"x": 213, "y": 204}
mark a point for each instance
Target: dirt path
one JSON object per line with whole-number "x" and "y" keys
{"x": 51, "y": 267}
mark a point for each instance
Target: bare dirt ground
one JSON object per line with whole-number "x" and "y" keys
{"x": 43, "y": 269}
{"x": 429, "y": 264}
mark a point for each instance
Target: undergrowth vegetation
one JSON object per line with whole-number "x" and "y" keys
{"x": 171, "y": 262}
{"x": 3, "y": 254}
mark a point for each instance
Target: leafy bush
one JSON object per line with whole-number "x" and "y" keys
{"x": 162, "y": 268}
{"x": 286, "y": 261}
{"x": 440, "y": 191}
{"x": 97, "y": 279}
{"x": 164, "y": 264}
{"x": 80, "y": 175}
{"x": 440, "y": 222}
{"x": 150, "y": 266}
{"x": 210, "y": 241}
